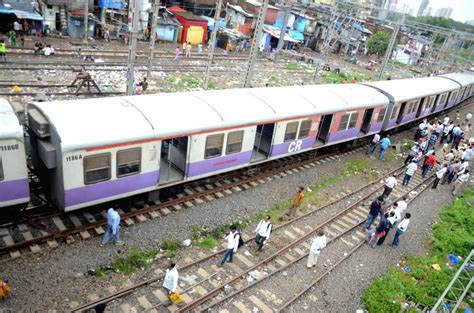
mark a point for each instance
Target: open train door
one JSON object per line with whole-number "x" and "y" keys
{"x": 263, "y": 142}
{"x": 173, "y": 159}
{"x": 401, "y": 112}
{"x": 366, "y": 121}
{"x": 323, "y": 130}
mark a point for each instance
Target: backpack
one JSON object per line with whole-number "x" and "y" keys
{"x": 241, "y": 241}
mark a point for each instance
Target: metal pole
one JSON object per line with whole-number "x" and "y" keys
{"x": 210, "y": 55}
{"x": 255, "y": 43}
{"x": 391, "y": 43}
{"x": 132, "y": 46}
{"x": 281, "y": 40}
{"x": 86, "y": 20}
{"x": 156, "y": 9}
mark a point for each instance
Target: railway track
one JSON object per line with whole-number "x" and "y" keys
{"x": 206, "y": 286}
{"x": 30, "y": 233}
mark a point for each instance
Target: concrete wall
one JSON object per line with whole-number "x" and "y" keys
{"x": 72, "y": 4}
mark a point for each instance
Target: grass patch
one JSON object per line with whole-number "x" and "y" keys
{"x": 294, "y": 66}
{"x": 274, "y": 81}
{"x": 133, "y": 260}
{"x": 207, "y": 243}
{"x": 171, "y": 245}
{"x": 341, "y": 77}
{"x": 423, "y": 284}
{"x": 214, "y": 85}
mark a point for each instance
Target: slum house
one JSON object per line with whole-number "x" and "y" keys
{"x": 56, "y": 13}
{"x": 198, "y": 7}
{"x": 75, "y": 22}
{"x": 113, "y": 16}
{"x": 194, "y": 28}
{"x": 239, "y": 19}
{"x": 26, "y": 13}
{"x": 168, "y": 27}
{"x": 253, "y": 7}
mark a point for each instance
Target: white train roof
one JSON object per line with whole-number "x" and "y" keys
{"x": 414, "y": 88}
{"x": 98, "y": 122}
{"x": 463, "y": 78}
{"x": 10, "y": 126}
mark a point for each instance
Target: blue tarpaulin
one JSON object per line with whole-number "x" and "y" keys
{"x": 296, "y": 35}
{"x": 210, "y": 22}
{"x": 113, "y": 4}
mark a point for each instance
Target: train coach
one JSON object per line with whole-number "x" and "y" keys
{"x": 97, "y": 150}
{"x": 14, "y": 184}
{"x": 92, "y": 151}
{"x": 412, "y": 99}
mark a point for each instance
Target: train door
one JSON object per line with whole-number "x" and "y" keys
{"x": 448, "y": 97}
{"x": 366, "y": 121}
{"x": 263, "y": 142}
{"x": 324, "y": 128}
{"x": 173, "y": 159}
{"x": 422, "y": 104}
{"x": 435, "y": 103}
{"x": 401, "y": 112}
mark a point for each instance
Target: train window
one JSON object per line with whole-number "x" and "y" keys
{"x": 2, "y": 176}
{"x": 381, "y": 115}
{"x": 442, "y": 99}
{"x": 97, "y": 168}
{"x": 129, "y": 162}
{"x": 394, "y": 112}
{"x": 353, "y": 120}
{"x": 291, "y": 130}
{"x": 343, "y": 122}
{"x": 214, "y": 146}
{"x": 453, "y": 95}
{"x": 234, "y": 142}
{"x": 304, "y": 129}
{"x": 411, "y": 107}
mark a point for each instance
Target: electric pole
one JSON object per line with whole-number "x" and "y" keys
{"x": 86, "y": 20}
{"x": 286, "y": 17}
{"x": 156, "y": 9}
{"x": 391, "y": 43}
{"x": 255, "y": 44}
{"x": 132, "y": 46}
{"x": 210, "y": 55}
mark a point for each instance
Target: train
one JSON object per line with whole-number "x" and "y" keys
{"x": 92, "y": 151}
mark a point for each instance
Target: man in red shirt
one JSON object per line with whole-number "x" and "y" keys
{"x": 429, "y": 163}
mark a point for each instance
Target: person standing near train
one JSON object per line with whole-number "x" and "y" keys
{"x": 384, "y": 144}
{"x": 113, "y": 222}
{"x": 375, "y": 141}
{"x": 297, "y": 200}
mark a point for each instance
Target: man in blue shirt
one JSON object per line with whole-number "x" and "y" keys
{"x": 113, "y": 222}
{"x": 384, "y": 144}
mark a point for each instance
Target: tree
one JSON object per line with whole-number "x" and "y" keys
{"x": 378, "y": 42}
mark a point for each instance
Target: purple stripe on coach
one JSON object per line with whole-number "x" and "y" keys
{"x": 343, "y": 134}
{"x": 217, "y": 164}
{"x": 375, "y": 127}
{"x": 408, "y": 117}
{"x": 392, "y": 123}
{"x": 14, "y": 189}
{"x": 283, "y": 148}
{"x": 110, "y": 188}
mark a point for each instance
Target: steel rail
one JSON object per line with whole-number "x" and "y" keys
{"x": 285, "y": 224}
{"x": 276, "y": 254}
{"x": 427, "y": 181}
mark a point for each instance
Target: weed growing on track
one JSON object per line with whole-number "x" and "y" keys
{"x": 207, "y": 243}
{"x": 134, "y": 259}
{"x": 171, "y": 245}
{"x": 423, "y": 284}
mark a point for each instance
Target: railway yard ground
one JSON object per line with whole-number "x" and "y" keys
{"x": 74, "y": 274}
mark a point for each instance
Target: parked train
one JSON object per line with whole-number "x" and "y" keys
{"x": 91, "y": 151}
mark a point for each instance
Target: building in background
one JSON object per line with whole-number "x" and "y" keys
{"x": 422, "y": 7}
{"x": 25, "y": 12}
{"x": 444, "y": 12}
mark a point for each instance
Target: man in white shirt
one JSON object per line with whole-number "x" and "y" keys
{"x": 390, "y": 183}
{"x": 170, "y": 283}
{"x": 461, "y": 183}
{"x": 373, "y": 144}
{"x": 439, "y": 175}
{"x": 318, "y": 243}
{"x": 446, "y": 120}
{"x": 232, "y": 244}
{"x": 402, "y": 227}
{"x": 402, "y": 205}
{"x": 263, "y": 230}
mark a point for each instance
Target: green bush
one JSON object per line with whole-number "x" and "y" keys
{"x": 171, "y": 245}
{"x": 207, "y": 243}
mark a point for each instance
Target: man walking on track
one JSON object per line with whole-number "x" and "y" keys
{"x": 402, "y": 227}
{"x": 170, "y": 283}
{"x": 439, "y": 175}
{"x": 297, "y": 200}
{"x": 232, "y": 245}
{"x": 264, "y": 228}
{"x": 411, "y": 168}
{"x": 390, "y": 183}
{"x": 113, "y": 222}
{"x": 375, "y": 209}
{"x": 318, "y": 243}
